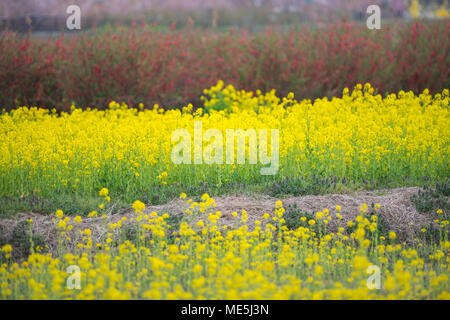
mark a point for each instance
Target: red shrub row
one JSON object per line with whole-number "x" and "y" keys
{"x": 172, "y": 68}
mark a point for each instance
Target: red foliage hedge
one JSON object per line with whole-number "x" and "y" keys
{"x": 172, "y": 68}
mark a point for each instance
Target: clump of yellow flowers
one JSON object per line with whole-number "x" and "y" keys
{"x": 359, "y": 136}
{"x": 206, "y": 259}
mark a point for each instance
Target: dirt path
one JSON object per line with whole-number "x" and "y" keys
{"x": 396, "y": 209}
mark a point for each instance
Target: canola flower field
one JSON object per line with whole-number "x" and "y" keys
{"x": 361, "y": 137}
{"x": 126, "y": 153}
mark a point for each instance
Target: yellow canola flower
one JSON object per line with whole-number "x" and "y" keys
{"x": 93, "y": 214}
{"x": 138, "y": 206}
{"x": 392, "y": 235}
{"x": 103, "y": 192}
{"x": 59, "y": 214}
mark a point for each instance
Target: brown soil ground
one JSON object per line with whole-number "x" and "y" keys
{"x": 396, "y": 209}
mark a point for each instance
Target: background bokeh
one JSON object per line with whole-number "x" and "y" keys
{"x": 50, "y": 15}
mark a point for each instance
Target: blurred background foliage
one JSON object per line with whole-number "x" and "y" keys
{"x": 50, "y": 15}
